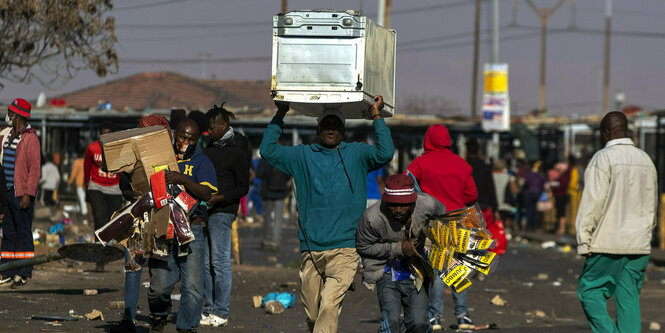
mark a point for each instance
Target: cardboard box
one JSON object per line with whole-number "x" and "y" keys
{"x": 139, "y": 151}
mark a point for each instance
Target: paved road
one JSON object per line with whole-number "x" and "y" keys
{"x": 545, "y": 303}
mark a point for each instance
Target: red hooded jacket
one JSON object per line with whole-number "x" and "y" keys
{"x": 441, "y": 173}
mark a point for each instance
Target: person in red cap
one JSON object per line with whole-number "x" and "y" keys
{"x": 386, "y": 241}
{"x": 21, "y": 158}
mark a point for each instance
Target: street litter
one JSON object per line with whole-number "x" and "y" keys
{"x": 488, "y": 290}
{"x": 53, "y": 318}
{"x": 116, "y": 304}
{"x": 536, "y": 313}
{"x": 275, "y": 303}
{"x": 146, "y": 284}
{"x": 498, "y": 301}
{"x": 53, "y": 323}
{"x": 654, "y": 326}
{"x": 273, "y": 307}
{"x": 556, "y": 284}
{"x": 257, "y": 301}
{"x": 458, "y": 245}
{"x": 548, "y": 245}
{"x": 542, "y": 276}
{"x": 175, "y": 297}
{"x": 94, "y": 314}
{"x": 89, "y": 292}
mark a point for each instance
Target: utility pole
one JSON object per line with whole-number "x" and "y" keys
{"x": 380, "y": 13}
{"x": 474, "y": 71}
{"x": 386, "y": 13}
{"x": 544, "y": 14}
{"x": 495, "y": 32}
{"x": 285, "y": 5}
{"x": 606, "y": 60}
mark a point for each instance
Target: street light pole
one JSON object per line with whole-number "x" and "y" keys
{"x": 606, "y": 58}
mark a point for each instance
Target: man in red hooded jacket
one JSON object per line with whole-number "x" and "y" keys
{"x": 20, "y": 153}
{"x": 447, "y": 177}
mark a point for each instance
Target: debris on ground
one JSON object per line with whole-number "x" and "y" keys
{"x": 53, "y": 318}
{"x": 257, "y": 301}
{"x": 95, "y": 314}
{"x": 535, "y": 313}
{"x": 654, "y": 326}
{"x": 116, "y": 304}
{"x": 175, "y": 297}
{"x": 89, "y": 292}
{"x": 273, "y": 307}
{"x": 542, "y": 276}
{"x": 498, "y": 301}
{"x": 548, "y": 245}
{"x": 275, "y": 303}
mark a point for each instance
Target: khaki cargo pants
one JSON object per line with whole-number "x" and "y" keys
{"x": 323, "y": 298}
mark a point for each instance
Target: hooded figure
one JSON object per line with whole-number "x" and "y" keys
{"x": 441, "y": 173}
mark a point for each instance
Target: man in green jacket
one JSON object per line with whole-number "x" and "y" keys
{"x": 331, "y": 189}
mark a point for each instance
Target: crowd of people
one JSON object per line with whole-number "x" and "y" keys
{"x": 350, "y": 214}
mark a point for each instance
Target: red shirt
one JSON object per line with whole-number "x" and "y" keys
{"x": 92, "y": 167}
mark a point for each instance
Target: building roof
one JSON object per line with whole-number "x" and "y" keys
{"x": 165, "y": 90}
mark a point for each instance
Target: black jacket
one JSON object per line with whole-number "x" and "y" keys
{"x": 231, "y": 159}
{"x": 482, "y": 176}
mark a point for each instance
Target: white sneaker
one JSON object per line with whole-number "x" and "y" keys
{"x": 213, "y": 320}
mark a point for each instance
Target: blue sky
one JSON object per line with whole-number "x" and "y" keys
{"x": 434, "y": 48}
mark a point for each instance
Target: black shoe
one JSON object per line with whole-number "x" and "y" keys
{"x": 18, "y": 282}
{"x": 125, "y": 325}
{"x": 158, "y": 324}
{"x": 464, "y": 322}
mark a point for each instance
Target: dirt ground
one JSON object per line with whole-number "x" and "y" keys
{"x": 538, "y": 285}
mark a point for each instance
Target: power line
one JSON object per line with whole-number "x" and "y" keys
{"x": 642, "y": 34}
{"x": 148, "y": 5}
{"x": 193, "y": 26}
{"x": 191, "y": 60}
{"x": 215, "y": 35}
{"x": 452, "y": 45}
{"x": 260, "y": 23}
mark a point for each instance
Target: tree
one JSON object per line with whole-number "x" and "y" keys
{"x": 51, "y": 40}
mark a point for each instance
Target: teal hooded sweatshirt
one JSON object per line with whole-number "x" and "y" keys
{"x": 331, "y": 184}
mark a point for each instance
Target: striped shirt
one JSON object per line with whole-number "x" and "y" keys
{"x": 9, "y": 158}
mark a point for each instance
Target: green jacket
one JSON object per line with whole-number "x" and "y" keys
{"x": 331, "y": 184}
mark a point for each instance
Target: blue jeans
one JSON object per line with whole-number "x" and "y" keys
{"x": 164, "y": 274}
{"x": 395, "y": 295}
{"x": 132, "y": 288}
{"x": 217, "y": 265}
{"x": 436, "y": 299}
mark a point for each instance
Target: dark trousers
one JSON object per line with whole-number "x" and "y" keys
{"x": 530, "y": 203}
{"x": 397, "y": 295}
{"x": 48, "y": 198}
{"x": 17, "y": 234}
{"x": 103, "y": 206}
